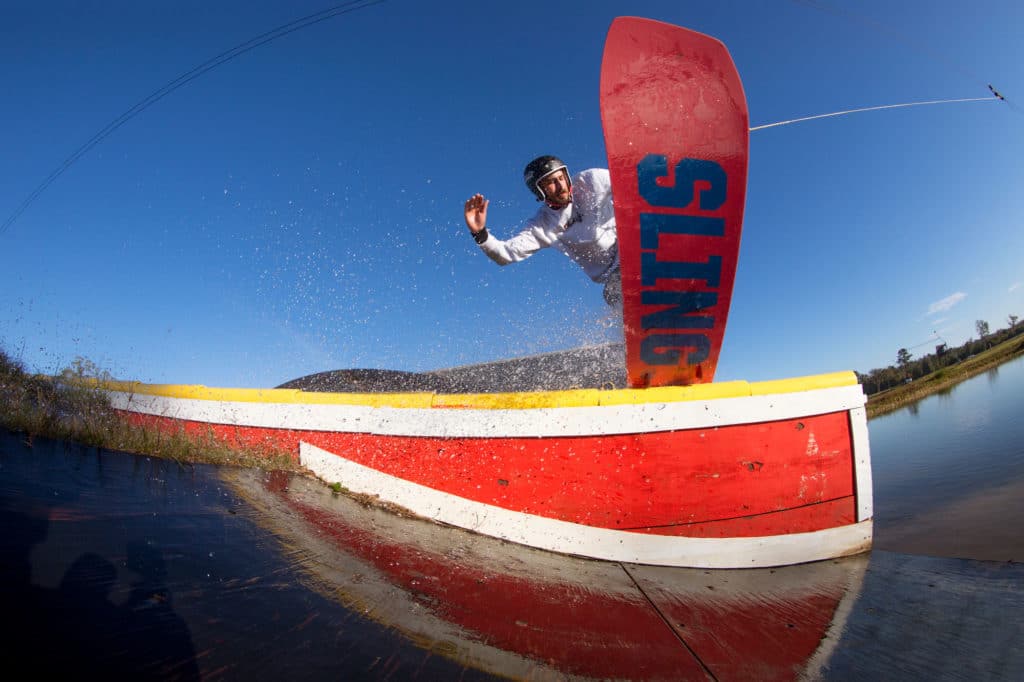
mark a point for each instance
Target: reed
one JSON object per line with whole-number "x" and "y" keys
{"x": 72, "y": 407}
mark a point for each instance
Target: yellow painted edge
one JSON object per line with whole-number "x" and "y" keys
{"x": 269, "y": 395}
{"x": 489, "y": 401}
{"x": 672, "y": 394}
{"x": 808, "y": 383}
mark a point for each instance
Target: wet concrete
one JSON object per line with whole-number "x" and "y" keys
{"x": 597, "y": 366}
{"x": 127, "y": 566}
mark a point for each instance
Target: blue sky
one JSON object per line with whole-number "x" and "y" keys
{"x": 298, "y": 209}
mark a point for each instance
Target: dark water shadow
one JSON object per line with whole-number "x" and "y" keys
{"x": 132, "y": 568}
{"x": 77, "y": 627}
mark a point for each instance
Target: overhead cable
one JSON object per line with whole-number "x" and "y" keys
{"x": 181, "y": 80}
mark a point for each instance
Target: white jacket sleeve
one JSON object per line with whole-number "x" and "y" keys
{"x": 520, "y": 247}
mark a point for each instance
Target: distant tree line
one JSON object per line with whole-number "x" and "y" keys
{"x": 907, "y": 368}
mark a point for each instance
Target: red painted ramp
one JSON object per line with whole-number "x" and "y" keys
{"x": 676, "y": 132}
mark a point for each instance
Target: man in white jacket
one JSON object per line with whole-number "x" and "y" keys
{"x": 578, "y": 219}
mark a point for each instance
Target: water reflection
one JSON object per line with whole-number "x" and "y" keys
{"x": 146, "y": 569}
{"x": 511, "y": 610}
{"x": 69, "y": 609}
{"x": 143, "y": 569}
{"x": 949, "y": 470}
{"x": 78, "y": 625}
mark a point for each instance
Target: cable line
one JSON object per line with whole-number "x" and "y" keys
{"x": 885, "y": 106}
{"x": 923, "y": 343}
{"x": 178, "y": 82}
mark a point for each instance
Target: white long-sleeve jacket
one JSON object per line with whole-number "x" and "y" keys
{"x": 584, "y": 230}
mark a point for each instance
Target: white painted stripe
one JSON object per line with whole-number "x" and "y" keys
{"x": 862, "y": 463}
{"x": 577, "y": 539}
{"x": 526, "y": 423}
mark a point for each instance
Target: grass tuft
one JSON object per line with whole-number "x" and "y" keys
{"x": 73, "y": 407}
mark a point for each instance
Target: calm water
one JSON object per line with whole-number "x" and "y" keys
{"x": 954, "y": 454}
{"x": 121, "y": 567}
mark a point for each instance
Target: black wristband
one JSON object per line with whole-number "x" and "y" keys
{"x": 481, "y": 236}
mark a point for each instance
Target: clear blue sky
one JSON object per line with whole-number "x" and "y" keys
{"x": 298, "y": 209}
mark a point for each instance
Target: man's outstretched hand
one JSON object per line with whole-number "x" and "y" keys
{"x": 476, "y": 213}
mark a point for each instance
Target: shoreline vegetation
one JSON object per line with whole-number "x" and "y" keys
{"x": 67, "y": 407}
{"x": 944, "y": 378}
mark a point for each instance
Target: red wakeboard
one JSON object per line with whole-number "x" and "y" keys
{"x": 676, "y": 132}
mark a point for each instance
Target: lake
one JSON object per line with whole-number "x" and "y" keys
{"x": 949, "y": 470}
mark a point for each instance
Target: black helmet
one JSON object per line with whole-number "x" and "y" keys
{"x": 541, "y": 167}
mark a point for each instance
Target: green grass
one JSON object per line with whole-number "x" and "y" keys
{"x": 69, "y": 407}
